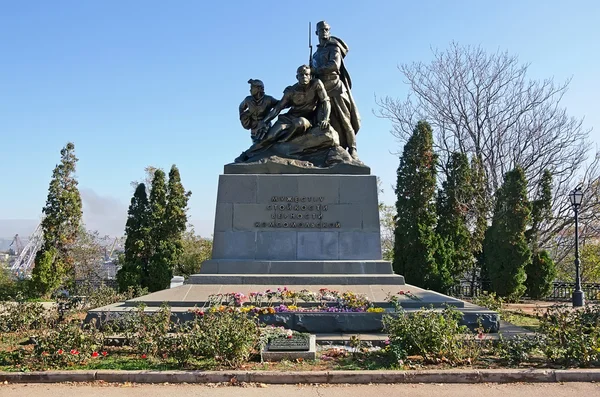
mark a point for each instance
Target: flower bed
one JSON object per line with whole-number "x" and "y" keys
{"x": 284, "y": 300}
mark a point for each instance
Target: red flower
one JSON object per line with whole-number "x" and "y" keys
{"x": 74, "y": 352}
{"x": 60, "y": 351}
{"x": 95, "y": 354}
{"x": 144, "y": 355}
{"x": 105, "y": 354}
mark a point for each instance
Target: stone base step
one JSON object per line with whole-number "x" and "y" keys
{"x": 245, "y": 266}
{"x": 297, "y": 279}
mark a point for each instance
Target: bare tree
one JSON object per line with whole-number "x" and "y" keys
{"x": 484, "y": 105}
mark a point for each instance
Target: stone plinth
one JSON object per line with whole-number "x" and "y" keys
{"x": 297, "y": 229}
{"x": 297, "y": 217}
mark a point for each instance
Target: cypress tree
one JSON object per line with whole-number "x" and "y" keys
{"x": 176, "y": 216}
{"x": 159, "y": 273}
{"x": 506, "y": 250}
{"x": 453, "y": 206}
{"x": 138, "y": 246}
{"x": 541, "y": 271}
{"x": 419, "y": 253}
{"x": 54, "y": 264}
{"x": 479, "y": 214}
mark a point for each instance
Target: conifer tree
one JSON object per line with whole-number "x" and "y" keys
{"x": 54, "y": 265}
{"x": 453, "y": 205}
{"x": 541, "y": 271}
{"x": 138, "y": 246}
{"x": 419, "y": 253}
{"x": 176, "y": 215}
{"x": 478, "y": 219}
{"x": 506, "y": 250}
{"x": 159, "y": 273}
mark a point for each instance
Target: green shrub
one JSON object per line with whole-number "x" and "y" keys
{"x": 517, "y": 349}
{"x": 541, "y": 272}
{"x": 571, "y": 337}
{"x": 489, "y": 300}
{"x": 145, "y": 331}
{"x": 436, "y": 336}
{"x": 106, "y": 295}
{"x": 19, "y": 317}
{"x": 227, "y": 337}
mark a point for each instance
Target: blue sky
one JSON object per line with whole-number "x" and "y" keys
{"x": 137, "y": 83}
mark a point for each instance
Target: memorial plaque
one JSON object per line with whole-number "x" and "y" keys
{"x": 296, "y": 343}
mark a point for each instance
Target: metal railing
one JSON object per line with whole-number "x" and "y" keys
{"x": 560, "y": 291}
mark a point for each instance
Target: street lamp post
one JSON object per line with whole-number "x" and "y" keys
{"x": 578, "y": 297}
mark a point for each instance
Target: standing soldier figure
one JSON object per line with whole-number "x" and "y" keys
{"x": 328, "y": 66}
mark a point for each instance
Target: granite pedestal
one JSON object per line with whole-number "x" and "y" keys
{"x": 297, "y": 229}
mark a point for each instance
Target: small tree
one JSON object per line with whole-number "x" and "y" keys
{"x": 541, "y": 271}
{"x": 195, "y": 251}
{"x": 54, "y": 264}
{"x": 176, "y": 215}
{"x": 88, "y": 257}
{"x": 159, "y": 270}
{"x": 506, "y": 251}
{"x": 478, "y": 220}
{"x": 417, "y": 248}
{"x": 454, "y": 202}
{"x": 135, "y": 261}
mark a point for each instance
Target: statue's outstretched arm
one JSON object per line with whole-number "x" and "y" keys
{"x": 277, "y": 109}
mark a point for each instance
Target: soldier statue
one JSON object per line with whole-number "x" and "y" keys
{"x": 328, "y": 66}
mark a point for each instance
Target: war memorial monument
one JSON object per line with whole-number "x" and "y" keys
{"x": 299, "y": 209}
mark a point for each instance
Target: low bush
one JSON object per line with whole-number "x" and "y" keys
{"x": 20, "y": 317}
{"x": 518, "y": 349}
{"x": 229, "y": 337}
{"x": 434, "y": 335}
{"x": 571, "y": 337}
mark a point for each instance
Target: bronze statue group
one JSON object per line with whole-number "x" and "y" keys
{"x": 322, "y": 116}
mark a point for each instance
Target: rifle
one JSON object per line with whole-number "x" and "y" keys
{"x": 310, "y": 46}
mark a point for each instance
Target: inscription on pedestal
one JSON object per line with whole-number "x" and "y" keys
{"x": 297, "y": 212}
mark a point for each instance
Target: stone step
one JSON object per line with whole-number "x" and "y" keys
{"x": 245, "y": 266}
{"x": 297, "y": 279}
